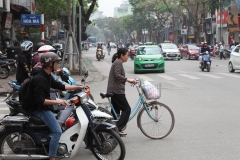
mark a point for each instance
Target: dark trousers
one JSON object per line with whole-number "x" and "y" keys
{"x": 120, "y": 103}
{"x": 222, "y": 55}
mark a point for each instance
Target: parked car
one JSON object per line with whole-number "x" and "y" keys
{"x": 234, "y": 61}
{"x": 149, "y": 58}
{"x": 170, "y": 51}
{"x": 189, "y": 51}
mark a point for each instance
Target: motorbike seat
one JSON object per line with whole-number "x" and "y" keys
{"x": 35, "y": 120}
{"x": 3, "y": 62}
{"x": 106, "y": 95}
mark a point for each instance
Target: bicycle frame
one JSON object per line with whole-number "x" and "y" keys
{"x": 141, "y": 101}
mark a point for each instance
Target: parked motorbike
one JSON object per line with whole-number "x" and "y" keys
{"x": 205, "y": 61}
{"x": 12, "y": 63}
{"x": 4, "y": 69}
{"x": 28, "y": 137}
{"x": 132, "y": 53}
{"x": 99, "y": 54}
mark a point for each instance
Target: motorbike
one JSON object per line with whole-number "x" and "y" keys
{"x": 132, "y": 53}
{"x": 100, "y": 54}
{"x": 4, "y": 69}
{"x": 59, "y": 50}
{"x": 205, "y": 61}
{"x": 12, "y": 63}
{"x": 28, "y": 137}
{"x": 86, "y": 47}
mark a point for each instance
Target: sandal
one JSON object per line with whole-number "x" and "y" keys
{"x": 122, "y": 133}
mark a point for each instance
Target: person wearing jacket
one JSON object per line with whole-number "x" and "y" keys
{"x": 41, "y": 82}
{"x": 24, "y": 62}
{"x": 116, "y": 85}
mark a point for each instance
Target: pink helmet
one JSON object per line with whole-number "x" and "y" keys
{"x": 202, "y": 43}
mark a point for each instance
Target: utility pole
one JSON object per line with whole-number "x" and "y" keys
{"x": 220, "y": 35}
{"x": 70, "y": 57}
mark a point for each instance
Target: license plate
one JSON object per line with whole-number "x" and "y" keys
{"x": 149, "y": 65}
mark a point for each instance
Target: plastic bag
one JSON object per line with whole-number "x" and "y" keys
{"x": 150, "y": 91}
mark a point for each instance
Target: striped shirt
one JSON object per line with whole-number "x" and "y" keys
{"x": 117, "y": 79}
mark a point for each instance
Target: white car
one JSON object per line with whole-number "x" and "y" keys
{"x": 234, "y": 61}
{"x": 170, "y": 51}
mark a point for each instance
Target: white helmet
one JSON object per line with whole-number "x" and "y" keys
{"x": 26, "y": 45}
{"x": 45, "y": 49}
{"x": 220, "y": 42}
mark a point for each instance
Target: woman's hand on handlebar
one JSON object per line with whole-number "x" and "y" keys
{"x": 133, "y": 81}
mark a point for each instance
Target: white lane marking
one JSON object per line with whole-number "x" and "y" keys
{"x": 209, "y": 75}
{"x": 229, "y": 74}
{"x": 167, "y": 77}
{"x": 145, "y": 78}
{"x": 188, "y": 76}
{"x": 181, "y": 71}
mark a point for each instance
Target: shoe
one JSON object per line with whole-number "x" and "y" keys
{"x": 122, "y": 134}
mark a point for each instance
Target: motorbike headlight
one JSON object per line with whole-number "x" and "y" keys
{"x": 138, "y": 58}
{"x": 83, "y": 98}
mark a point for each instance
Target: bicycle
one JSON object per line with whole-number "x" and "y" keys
{"x": 144, "y": 109}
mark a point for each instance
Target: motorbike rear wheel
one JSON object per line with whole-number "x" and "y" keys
{"x": 12, "y": 69}
{"x": 4, "y": 73}
{"x": 112, "y": 146}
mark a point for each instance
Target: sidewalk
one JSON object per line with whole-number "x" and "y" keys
{"x": 93, "y": 77}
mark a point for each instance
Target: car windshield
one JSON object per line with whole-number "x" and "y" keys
{"x": 193, "y": 47}
{"x": 149, "y": 50}
{"x": 169, "y": 46}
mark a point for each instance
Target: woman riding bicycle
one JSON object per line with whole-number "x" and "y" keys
{"x": 116, "y": 85}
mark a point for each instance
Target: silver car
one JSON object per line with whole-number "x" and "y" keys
{"x": 234, "y": 61}
{"x": 170, "y": 51}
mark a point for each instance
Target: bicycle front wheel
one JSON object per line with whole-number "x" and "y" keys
{"x": 163, "y": 125}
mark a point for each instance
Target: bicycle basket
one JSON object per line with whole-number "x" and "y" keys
{"x": 151, "y": 91}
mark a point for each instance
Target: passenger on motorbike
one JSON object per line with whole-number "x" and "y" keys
{"x": 41, "y": 83}
{"x": 36, "y": 57}
{"x": 24, "y": 61}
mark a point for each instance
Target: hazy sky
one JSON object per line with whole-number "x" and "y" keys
{"x": 107, "y": 6}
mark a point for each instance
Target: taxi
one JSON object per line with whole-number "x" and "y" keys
{"x": 149, "y": 58}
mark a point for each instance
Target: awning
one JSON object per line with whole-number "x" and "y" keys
{"x": 17, "y": 10}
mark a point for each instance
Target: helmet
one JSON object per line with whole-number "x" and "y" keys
{"x": 69, "y": 122}
{"x": 26, "y": 45}
{"x": 220, "y": 42}
{"x": 49, "y": 57}
{"x": 45, "y": 49}
{"x": 40, "y": 44}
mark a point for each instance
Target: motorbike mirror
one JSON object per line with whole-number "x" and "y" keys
{"x": 86, "y": 74}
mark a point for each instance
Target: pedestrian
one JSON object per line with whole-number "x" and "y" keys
{"x": 116, "y": 85}
{"x": 108, "y": 47}
{"x": 24, "y": 61}
{"x": 221, "y": 51}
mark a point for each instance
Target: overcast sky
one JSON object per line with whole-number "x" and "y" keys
{"x": 107, "y": 6}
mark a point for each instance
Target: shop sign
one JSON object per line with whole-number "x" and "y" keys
{"x": 183, "y": 31}
{"x": 191, "y": 30}
{"x": 191, "y": 37}
{"x": 31, "y": 19}
{"x": 232, "y": 23}
{"x": 8, "y": 22}
{"x": 171, "y": 36}
{"x": 224, "y": 18}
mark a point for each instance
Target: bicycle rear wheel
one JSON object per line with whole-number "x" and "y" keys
{"x": 156, "y": 129}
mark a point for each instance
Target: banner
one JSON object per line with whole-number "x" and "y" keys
{"x": 232, "y": 23}
{"x": 224, "y": 17}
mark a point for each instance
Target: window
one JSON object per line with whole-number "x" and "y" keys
{"x": 237, "y": 49}
{"x": 149, "y": 50}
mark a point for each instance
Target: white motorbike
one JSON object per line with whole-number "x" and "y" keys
{"x": 25, "y": 137}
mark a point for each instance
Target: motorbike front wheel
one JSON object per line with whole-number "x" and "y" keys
{"x": 112, "y": 146}
{"x": 208, "y": 67}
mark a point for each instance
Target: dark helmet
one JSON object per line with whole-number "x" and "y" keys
{"x": 49, "y": 57}
{"x": 40, "y": 44}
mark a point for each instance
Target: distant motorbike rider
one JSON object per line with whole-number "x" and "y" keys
{"x": 131, "y": 46}
{"x": 24, "y": 61}
{"x": 120, "y": 45}
{"x": 203, "y": 51}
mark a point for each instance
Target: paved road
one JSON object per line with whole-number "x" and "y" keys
{"x": 204, "y": 105}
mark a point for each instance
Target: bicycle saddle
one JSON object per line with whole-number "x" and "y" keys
{"x": 104, "y": 95}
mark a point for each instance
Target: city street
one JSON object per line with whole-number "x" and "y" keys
{"x": 204, "y": 105}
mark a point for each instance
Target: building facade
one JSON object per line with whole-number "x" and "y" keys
{"x": 124, "y": 9}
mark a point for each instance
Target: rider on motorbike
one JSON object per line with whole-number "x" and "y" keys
{"x": 203, "y": 51}
{"x": 41, "y": 83}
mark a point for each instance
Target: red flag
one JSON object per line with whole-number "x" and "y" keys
{"x": 33, "y": 7}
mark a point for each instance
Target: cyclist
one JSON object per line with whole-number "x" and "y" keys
{"x": 24, "y": 61}
{"x": 41, "y": 83}
{"x": 116, "y": 85}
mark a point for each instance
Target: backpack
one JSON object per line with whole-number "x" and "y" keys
{"x": 26, "y": 96}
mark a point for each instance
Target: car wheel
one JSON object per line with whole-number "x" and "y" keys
{"x": 162, "y": 71}
{"x": 230, "y": 67}
{"x": 188, "y": 57}
{"x": 179, "y": 59}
